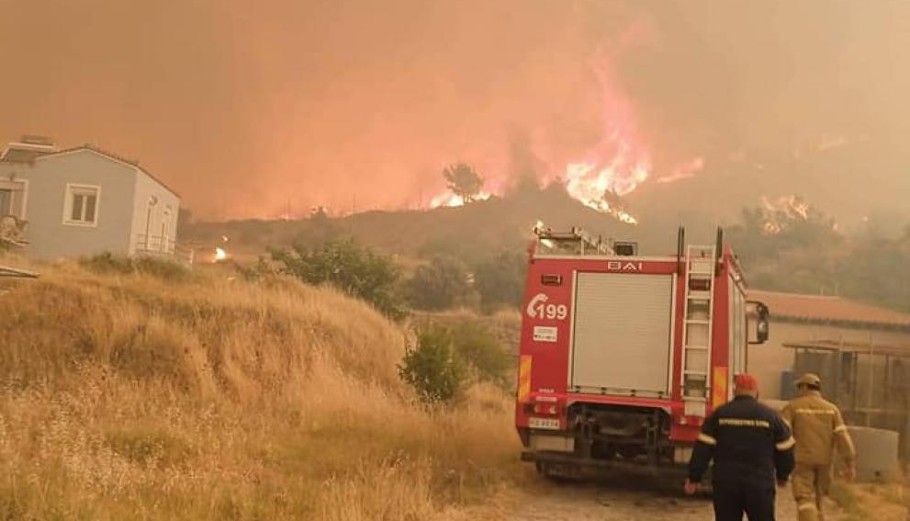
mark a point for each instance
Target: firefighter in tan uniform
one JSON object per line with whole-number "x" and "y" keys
{"x": 818, "y": 428}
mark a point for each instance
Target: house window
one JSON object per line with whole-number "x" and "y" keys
{"x": 81, "y": 205}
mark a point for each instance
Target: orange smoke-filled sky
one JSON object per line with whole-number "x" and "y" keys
{"x": 246, "y": 107}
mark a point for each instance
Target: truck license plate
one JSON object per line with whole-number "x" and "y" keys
{"x": 544, "y": 423}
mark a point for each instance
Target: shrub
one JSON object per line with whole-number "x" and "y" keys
{"x": 439, "y": 285}
{"x": 477, "y": 346}
{"x": 355, "y": 270}
{"x": 432, "y": 366}
{"x": 500, "y": 280}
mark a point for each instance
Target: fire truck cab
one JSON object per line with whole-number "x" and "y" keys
{"x": 623, "y": 356}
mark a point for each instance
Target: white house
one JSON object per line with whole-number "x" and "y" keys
{"x": 84, "y": 201}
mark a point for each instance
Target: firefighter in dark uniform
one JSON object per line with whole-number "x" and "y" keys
{"x": 752, "y": 451}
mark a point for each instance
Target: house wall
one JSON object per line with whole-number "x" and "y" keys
{"x": 152, "y": 220}
{"x": 49, "y": 237}
{"x": 768, "y": 361}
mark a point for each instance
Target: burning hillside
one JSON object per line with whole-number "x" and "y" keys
{"x": 617, "y": 163}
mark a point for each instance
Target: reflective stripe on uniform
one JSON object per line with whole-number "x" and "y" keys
{"x": 807, "y": 506}
{"x": 787, "y": 444}
{"x": 815, "y": 411}
{"x": 841, "y": 428}
{"x": 744, "y": 422}
{"x": 707, "y": 440}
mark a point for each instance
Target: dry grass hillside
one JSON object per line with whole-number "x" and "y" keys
{"x": 176, "y": 396}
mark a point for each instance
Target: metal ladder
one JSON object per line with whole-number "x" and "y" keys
{"x": 697, "y": 328}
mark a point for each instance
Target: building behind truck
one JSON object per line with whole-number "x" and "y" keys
{"x": 623, "y": 356}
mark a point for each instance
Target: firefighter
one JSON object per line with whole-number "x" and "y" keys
{"x": 752, "y": 451}
{"x": 818, "y": 428}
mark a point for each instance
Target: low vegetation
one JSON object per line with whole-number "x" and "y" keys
{"x": 881, "y": 502}
{"x": 133, "y": 393}
{"x": 355, "y": 270}
{"x": 447, "y": 358}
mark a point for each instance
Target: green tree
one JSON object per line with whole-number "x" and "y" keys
{"x": 463, "y": 181}
{"x": 432, "y": 367}
{"x": 500, "y": 280}
{"x": 479, "y": 348}
{"x": 439, "y": 285}
{"x": 356, "y": 270}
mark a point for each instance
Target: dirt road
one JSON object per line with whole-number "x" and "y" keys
{"x": 614, "y": 502}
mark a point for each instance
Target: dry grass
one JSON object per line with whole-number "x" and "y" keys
{"x": 881, "y": 502}
{"x": 135, "y": 397}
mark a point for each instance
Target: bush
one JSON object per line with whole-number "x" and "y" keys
{"x": 477, "y": 346}
{"x": 353, "y": 269}
{"x": 439, "y": 285}
{"x": 500, "y": 280}
{"x": 433, "y": 368}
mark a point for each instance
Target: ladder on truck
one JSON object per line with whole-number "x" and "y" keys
{"x": 701, "y": 265}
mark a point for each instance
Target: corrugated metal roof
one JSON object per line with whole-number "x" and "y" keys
{"x": 819, "y": 308}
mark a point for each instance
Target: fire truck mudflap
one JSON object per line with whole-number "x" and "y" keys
{"x": 622, "y": 357}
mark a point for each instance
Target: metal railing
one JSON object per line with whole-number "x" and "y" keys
{"x": 157, "y": 245}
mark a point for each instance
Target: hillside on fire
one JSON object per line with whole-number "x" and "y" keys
{"x": 787, "y": 243}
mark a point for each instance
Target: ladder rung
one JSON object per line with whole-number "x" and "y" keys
{"x": 700, "y": 295}
{"x": 696, "y": 348}
{"x": 695, "y": 373}
{"x": 698, "y": 322}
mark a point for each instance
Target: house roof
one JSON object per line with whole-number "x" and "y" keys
{"x": 109, "y": 155}
{"x": 859, "y": 348}
{"x": 829, "y": 309}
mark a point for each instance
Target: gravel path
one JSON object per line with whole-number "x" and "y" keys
{"x": 615, "y": 502}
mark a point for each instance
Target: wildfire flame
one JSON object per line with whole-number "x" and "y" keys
{"x": 620, "y": 161}
{"x": 790, "y": 205}
{"x": 220, "y": 254}
{"x": 685, "y": 171}
{"x": 782, "y": 209}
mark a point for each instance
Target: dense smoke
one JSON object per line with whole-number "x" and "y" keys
{"x": 361, "y": 104}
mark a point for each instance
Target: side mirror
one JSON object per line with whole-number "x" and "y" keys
{"x": 762, "y": 326}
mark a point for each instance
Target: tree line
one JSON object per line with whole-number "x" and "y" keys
{"x": 805, "y": 252}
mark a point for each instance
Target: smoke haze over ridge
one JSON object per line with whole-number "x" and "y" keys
{"x": 359, "y": 103}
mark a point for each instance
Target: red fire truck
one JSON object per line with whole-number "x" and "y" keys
{"x": 622, "y": 356}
